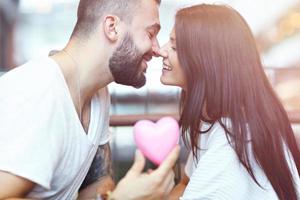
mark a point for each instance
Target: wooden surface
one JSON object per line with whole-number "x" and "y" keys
{"x": 130, "y": 120}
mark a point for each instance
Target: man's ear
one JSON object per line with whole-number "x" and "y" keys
{"x": 110, "y": 25}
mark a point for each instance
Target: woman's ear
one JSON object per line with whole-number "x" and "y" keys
{"x": 110, "y": 26}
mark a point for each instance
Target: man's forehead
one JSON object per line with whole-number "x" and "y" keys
{"x": 149, "y": 14}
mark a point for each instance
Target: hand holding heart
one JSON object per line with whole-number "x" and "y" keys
{"x": 156, "y": 140}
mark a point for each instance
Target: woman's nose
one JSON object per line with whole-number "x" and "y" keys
{"x": 161, "y": 52}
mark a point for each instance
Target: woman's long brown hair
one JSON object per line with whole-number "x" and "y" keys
{"x": 225, "y": 78}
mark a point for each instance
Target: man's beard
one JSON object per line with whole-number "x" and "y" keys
{"x": 125, "y": 64}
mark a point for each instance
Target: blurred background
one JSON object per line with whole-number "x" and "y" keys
{"x": 31, "y": 28}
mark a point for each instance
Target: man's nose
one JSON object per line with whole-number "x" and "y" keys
{"x": 155, "y": 48}
{"x": 161, "y": 52}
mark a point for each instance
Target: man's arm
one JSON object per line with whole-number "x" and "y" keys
{"x": 13, "y": 186}
{"x": 100, "y": 176}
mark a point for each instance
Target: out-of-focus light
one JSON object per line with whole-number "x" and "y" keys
{"x": 42, "y": 7}
{"x": 295, "y": 19}
{"x": 36, "y": 6}
{"x": 289, "y": 24}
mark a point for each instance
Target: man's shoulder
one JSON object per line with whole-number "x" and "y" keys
{"x": 36, "y": 69}
{"x": 29, "y": 80}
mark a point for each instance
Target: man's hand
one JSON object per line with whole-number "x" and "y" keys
{"x": 13, "y": 186}
{"x": 147, "y": 186}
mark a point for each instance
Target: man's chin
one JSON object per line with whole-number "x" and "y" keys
{"x": 139, "y": 84}
{"x": 136, "y": 80}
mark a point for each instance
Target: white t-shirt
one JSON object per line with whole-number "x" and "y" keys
{"x": 219, "y": 174}
{"x": 41, "y": 137}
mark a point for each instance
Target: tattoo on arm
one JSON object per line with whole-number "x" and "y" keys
{"x": 100, "y": 167}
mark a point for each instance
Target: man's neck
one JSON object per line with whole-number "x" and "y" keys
{"x": 85, "y": 71}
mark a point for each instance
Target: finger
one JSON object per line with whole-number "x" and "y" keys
{"x": 168, "y": 163}
{"x": 169, "y": 191}
{"x": 167, "y": 185}
{"x": 138, "y": 165}
{"x": 170, "y": 186}
{"x": 168, "y": 181}
{"x": 149, "y": 171}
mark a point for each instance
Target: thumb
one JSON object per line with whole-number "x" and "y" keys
{"x": 138, "y": 165}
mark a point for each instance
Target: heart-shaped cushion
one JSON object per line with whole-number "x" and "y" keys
{"x": 156, "y": 140}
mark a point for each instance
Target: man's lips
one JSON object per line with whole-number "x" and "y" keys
{"x": 147, "y": 58}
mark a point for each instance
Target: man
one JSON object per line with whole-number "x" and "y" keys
{"x": 54, "y": 110}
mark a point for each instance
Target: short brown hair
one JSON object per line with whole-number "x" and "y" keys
{"x": 90, "y": 11}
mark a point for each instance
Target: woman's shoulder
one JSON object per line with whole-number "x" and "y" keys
{"x": 216, "y": 135}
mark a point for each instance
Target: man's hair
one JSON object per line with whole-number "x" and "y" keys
{"x": 90, "y": 12}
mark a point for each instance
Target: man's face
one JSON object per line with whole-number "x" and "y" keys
{"x": 129, "y": 61}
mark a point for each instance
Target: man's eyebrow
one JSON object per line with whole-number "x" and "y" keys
{"x": 172, "y": 39}
{"x": 155, "y": 26}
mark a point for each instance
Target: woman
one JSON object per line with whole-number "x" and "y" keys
{"x": 242, "y": 145}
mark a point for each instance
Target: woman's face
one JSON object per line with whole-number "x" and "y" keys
{"x": 172, "y": 73}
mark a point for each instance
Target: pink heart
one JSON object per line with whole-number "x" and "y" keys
{"x": 156, "y": 140}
